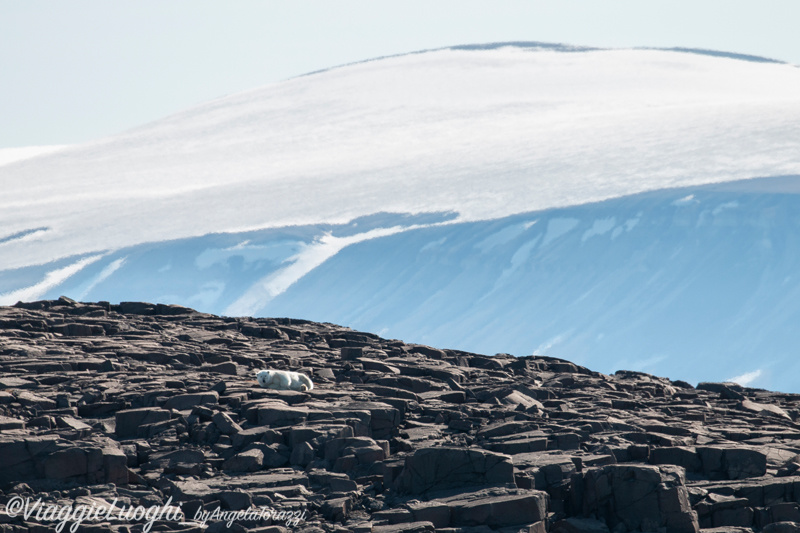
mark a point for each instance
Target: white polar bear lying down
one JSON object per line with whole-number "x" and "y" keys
{"x": 284, "y": 380}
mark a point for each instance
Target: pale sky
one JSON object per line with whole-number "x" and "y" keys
{"x": 79, "y": 70}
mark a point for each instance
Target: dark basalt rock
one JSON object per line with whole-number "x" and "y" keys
{"x": 437, "y": 468}
{"x": 143, "y": 402}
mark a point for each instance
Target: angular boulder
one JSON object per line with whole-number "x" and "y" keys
{"x": 249, "y": 461}
{"x": 444, "y": 468}
{"x": 732, "y": 463}
{"x": 642, "y": 498}
{"x": 129, "y": 421}
{"x": 225, "y": 424}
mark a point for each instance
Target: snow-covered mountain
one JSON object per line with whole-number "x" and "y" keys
{"x": 597, "y": 205}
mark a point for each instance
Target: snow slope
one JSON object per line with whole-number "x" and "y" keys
{"x": 11, "y": 155}
{"x": 483, "y": 133}
{"x": 518, "y": 198}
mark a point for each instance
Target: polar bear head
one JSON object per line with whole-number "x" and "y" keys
{"x": 266, "y": 378}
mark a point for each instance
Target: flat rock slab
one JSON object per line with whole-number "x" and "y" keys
{"x": 764, "y": 408}
{"x": 501, "y": 511}
{"x": 7, "y": 423}
{"x": 10, "y": 382}
{"x": 187, "y": 401}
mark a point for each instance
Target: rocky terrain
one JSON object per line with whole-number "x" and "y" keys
{"x": 148, "y": 406}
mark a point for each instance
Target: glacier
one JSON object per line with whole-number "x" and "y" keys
{"x": 624, "y": 209}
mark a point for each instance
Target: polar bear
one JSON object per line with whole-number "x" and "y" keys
{"x": 283, "y": 380}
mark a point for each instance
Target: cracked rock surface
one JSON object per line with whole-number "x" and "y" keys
{"x": 152, "y": 405}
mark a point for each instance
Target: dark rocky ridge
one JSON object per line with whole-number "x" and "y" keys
{"x": 142, "y": 403}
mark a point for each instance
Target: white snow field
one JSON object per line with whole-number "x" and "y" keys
{"x": 577, "y": 203}
{"x": 11, "y": 155}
